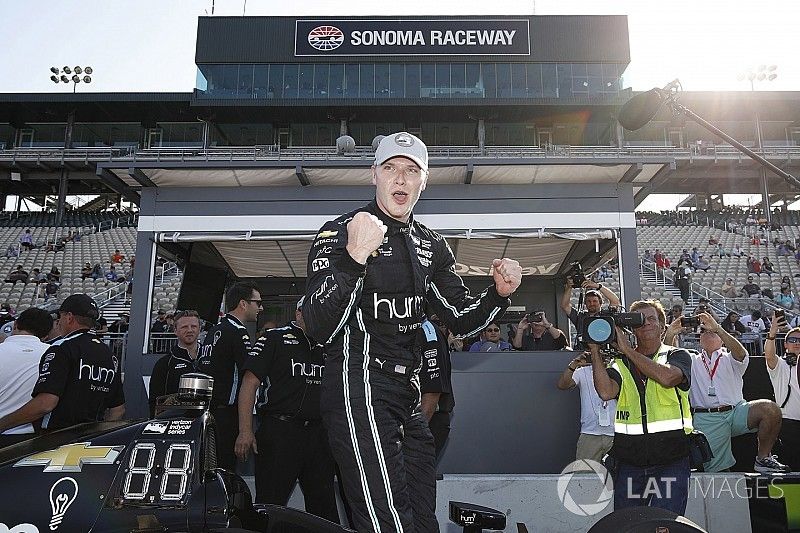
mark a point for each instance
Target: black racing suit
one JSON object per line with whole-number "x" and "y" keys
{"x": 369, "y": 316}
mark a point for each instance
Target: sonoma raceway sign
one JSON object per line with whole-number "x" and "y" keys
{"x": 412, "y": 37}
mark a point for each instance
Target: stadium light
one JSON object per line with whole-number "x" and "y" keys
{"x": 66, "y": 75}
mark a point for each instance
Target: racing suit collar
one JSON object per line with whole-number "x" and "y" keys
{"x": 235, "y": 320}
{"x": 386, "y": 219}
{"x": 299, "y": 331}
{"x": 180, "y": 352}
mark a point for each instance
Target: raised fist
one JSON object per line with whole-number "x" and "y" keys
{"x": 365, "y": 234}
{"x": 507, "y": 276}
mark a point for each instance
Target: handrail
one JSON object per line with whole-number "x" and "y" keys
{"x": 167, "y": 267}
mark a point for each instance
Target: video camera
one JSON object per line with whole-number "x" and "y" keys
{"x": 599, "y": 329}
{"x": 576, "y": 273}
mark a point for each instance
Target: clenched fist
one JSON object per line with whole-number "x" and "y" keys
{"x": 365, "y": 234}
{"x": 507, "y": 276}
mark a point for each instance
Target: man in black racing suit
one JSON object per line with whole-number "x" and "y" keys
{"x": 370, "y": 274}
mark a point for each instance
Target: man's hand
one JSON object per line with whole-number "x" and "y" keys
{"x": 582, "y": 360}
{"x": 524, "y": 324}
{"x": 365, "y": 234}
{"x": 244, "y": 442}
{"x": 622, "y": 343}
{"x": 568, "y": 284}
{"x": 708, "y": 322}
{"x": 589, "y": 285}
{"x": 507, "y": 276}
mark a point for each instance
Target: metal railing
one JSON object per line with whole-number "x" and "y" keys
{"x": 316, "y": 153}
{"x": 168, "y": 270}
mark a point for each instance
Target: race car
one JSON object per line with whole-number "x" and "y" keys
{"x": 137, "y": 476}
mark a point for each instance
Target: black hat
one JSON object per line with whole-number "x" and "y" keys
{"x": 81, "y": 305}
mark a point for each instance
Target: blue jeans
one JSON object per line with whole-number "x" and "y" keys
{"x": 664, "y": 486}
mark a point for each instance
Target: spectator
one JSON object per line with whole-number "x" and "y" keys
{"x": 675, "y": 313}
{"x": 754, "y": 326}
{"x": 728, "y": 290}
{"x": 160, "y": 324}
{"x": 783, "y": 250}
{"x": 26, "y": 240}
{"x": 101, "y": 326}
{"x": 737, "y": 251}
{"x": 661, "y": 453}
{"x": 97, "y": 272}
{"x": 491, "y": 341}
{"x": 54, "y": 275}
{"x": 718, "y": 406}
{"x": 785, "y": 298}
{"x": 662, "y": 261}
{"x": 18, "y": 275}
{"x": 750, "y": 288}
{"x": 683, "y": 281}
{"x": 701, "y": 264}
{"x": 783, "y": 375}
{"x": 51, "y": 290}
{"x": 704, "y": 306}
{"x": 21, "y": 354}
{"x": 753, "y": 266}
{"x": 766, "y": 292}
{"x": 713, "y": 241}
{"x": 768, "y": 267}
{"x": 112, "y": 276}
{"x": 786, "y": 282}
{"x": 86, "y": 271}
{"x": 721, "y": 251}
{"x": 38, "y": 276}
{"x": 543, "y": 335}
{"x": 597, "y": 415}
{"x": 647, "y": 257}
{"x": 120, "y": 325}
{"x": 695, "y": 255}
{"x": 117, "y": 257}
{"x": 732, "y": 325}
{"x": 12, "y": 251}
{"x": 6, "y": 313}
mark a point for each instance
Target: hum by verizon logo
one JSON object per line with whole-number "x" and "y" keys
{"x": 408, "y": 306}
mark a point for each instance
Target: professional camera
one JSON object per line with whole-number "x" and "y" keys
{"x": 576, "y": 273}
{"x": 599, "y": 329}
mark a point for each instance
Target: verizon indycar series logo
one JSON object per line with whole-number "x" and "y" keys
{"x": 325, "y": 38}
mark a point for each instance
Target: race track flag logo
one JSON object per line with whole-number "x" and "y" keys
{"x": 325, "y": 38}
{"x": 590, "y": 467}
{"x": 72, "y": 457}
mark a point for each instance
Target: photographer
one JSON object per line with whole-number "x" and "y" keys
{"x": 597, "y": 415}
{"x": 783, "y": 375}
{"x": 593, "y": 299}
{"x": 718, "y": 406}
{"x": 543, "y": 335}
{"x": 651, "y": 445}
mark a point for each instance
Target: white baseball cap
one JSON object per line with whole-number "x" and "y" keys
{"x": 402, "y": 144}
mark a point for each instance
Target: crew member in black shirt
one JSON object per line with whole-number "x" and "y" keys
{"x": 222, "y": 356}
{"x": 181, "y": 359}
{"x": 434, "y": 378}
{"x": 79, "y": 377}
{"x": 291, "y": 443}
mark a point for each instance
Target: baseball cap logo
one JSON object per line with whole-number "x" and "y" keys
{"x": 325, "y": 38}
{"x": 403, "y": 140}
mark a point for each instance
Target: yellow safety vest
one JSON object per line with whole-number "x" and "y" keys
{"x": 665, "y": 408}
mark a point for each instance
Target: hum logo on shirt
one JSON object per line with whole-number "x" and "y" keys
{"x": 307, "y": 369}
{"x": 96, "y": 373}
{"x": 408, "y": 306}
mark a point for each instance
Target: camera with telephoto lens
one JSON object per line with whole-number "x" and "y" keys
{"x": 576, "y": 273}
{"x": 599, "y": 329}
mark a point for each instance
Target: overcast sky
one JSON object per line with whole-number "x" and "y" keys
{"x": 148, "y": 45}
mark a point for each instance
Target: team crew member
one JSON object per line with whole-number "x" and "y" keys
{"x": 223, "y": 355}
{"x": 786, "y": 385}
{"x": 19, "y": 367}
{"x": 371, "y": 273}
{"x": 291, "y": 443}
{"x": 434, "y": 378}
{"x": 181, "y": 359}
{"x": 79, "y": 378}
{"x": 651, "y": 384}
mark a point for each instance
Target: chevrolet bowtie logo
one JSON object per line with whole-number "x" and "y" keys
{"x": 72, "y": 457}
